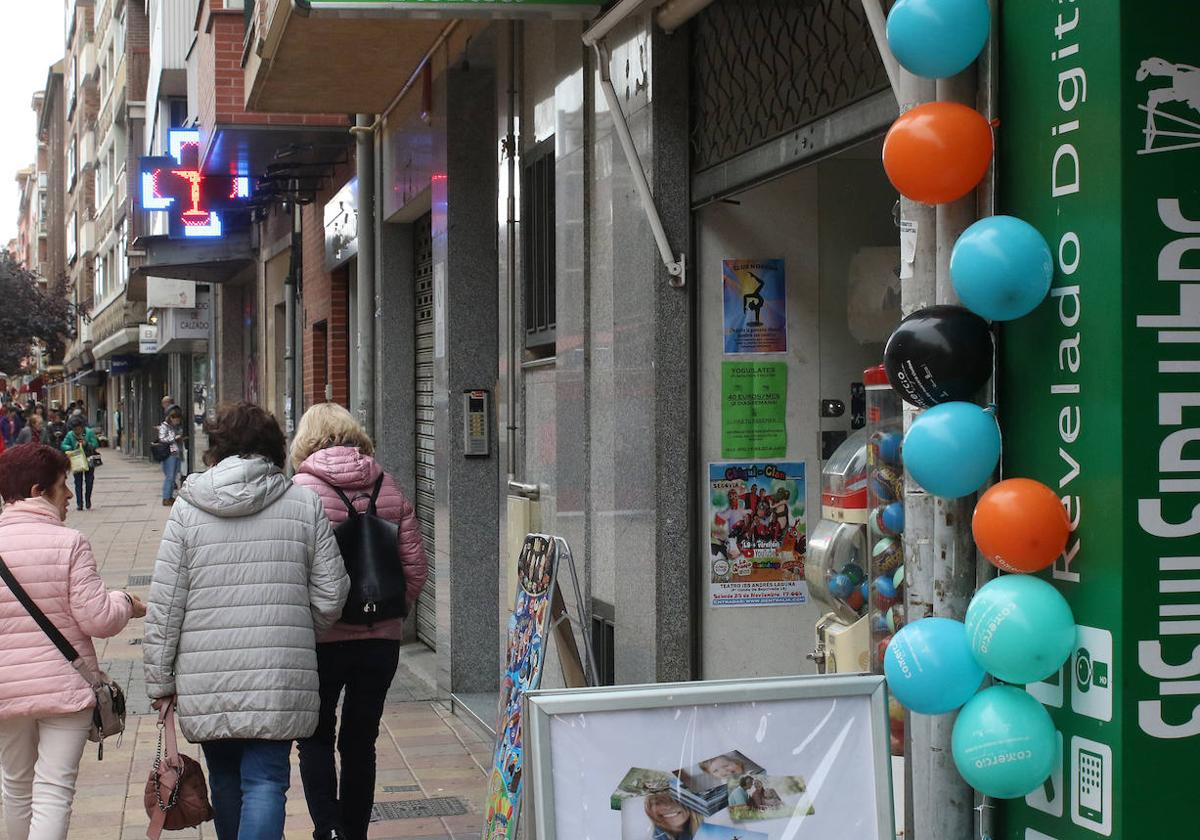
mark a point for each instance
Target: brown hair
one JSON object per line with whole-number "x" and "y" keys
{"x": 30, "y": 465}
{"x": 245, "y": 430}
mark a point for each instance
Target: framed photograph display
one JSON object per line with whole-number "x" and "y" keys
{"x": 788, "y": 758}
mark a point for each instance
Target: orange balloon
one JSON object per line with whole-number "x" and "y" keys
{"x": 1020, "y": 525}
{"x": 937, "y": 152}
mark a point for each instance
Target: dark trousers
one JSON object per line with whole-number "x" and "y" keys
{"x": 83, "y": 488}
{"x": 364, "y": 669}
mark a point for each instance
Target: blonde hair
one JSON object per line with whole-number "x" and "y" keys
{"x": 325, "y": 425}
{"x": 656, "y": 799}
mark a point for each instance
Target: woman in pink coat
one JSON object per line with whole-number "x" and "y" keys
{"x": 331, "y": 450}
{"x": 45, "y": 705}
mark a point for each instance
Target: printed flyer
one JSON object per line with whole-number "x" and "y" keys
{"x": 753, "y": 410}
{"x": 522, "y": 672}
{"x": 755, "y": 306}
{"x": 758, "y": 533}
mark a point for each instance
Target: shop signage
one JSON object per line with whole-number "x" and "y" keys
{"x": 165, "y": 292}
{"x": 122, "y": 364}
{"x": 195, "y": 202}
{"x": 147, "y": 339}
{"x": 185, "y": 324}
{"x": 459, "y": 8}
{"x": 341, "y": 226}
{"x": 1101, "y": 386}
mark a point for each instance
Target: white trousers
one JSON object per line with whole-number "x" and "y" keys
{"x": 39, "y": 761}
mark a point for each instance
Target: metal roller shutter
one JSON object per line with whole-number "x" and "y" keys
{"x": 426, "y": 473}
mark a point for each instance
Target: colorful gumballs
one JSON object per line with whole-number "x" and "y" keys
{"x": 887, "y": 554}
{"x": 893, "y": 519}
{"x": 855, "y": 573}
{"x": 865, "y": 589}
{"x": 882, "y": 646}
{"x": 889, "y": 447}
{"x": 856, "y": 600}
{"x": 886, "y": 484}
{"x": 885, "y": 587}
{"x": 898, "y": 578}
{"x": 878, "y": 622}
{"x": 840, "y": 587}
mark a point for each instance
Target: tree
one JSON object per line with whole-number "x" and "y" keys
{"x": 29, "y": 313}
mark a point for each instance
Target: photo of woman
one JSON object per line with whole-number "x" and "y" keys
{"x": 671, "y": 820}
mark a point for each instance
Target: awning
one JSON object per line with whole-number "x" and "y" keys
{"x": 88, "y": 378}
{"x": 199, "y": 260}
{"x": 122, "y": 341}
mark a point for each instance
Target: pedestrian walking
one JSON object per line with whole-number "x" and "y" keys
{"x": 31, "y": 432}
{"x": 332, "y": 454}
{"x": 6, "y": 426}
{"x": 170, "y": 440}
{"x": 82, "y": 437}
{"x": 167, "y": 402}
{"x": 247, "y": 575}
{"x": 45, "y": 704}
{"x": 56, "y": 430}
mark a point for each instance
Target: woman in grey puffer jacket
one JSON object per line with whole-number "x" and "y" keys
{"x": 247, "y": 575}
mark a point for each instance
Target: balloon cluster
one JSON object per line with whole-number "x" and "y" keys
{"x": 1018, "y": 628}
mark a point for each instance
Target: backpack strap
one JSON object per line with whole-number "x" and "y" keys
{"x": 375, "y": 495}
{"x": 350, "y": 509}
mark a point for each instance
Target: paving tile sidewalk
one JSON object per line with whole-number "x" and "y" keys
{"x": 426, "y": 755}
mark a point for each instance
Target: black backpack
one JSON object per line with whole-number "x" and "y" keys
{"x": 370, "y": 550}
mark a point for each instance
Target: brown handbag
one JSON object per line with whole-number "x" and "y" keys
{"x": 176, "y": 793}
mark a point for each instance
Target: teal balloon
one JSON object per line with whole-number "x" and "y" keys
{"x": 952, "y": 449}
{"x": 1004, "y": 743}
{"x": 1021, "y": 629}
{"x": 929, "y": 667}
{"x": 937, "y": 38}
{"x": 1001, "y": 268}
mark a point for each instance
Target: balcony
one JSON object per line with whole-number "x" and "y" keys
{"x": 376, "y": 57}
{"x": 114, "y": 327}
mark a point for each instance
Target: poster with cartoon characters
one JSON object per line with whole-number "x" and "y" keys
{"x": 758, "y": 534}
{"x": 527, "y": 629}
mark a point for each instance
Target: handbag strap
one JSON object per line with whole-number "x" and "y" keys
{"x": 59, "y": 640}
{"x": 167, "y": 773}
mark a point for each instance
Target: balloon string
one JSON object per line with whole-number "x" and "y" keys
{"x": 979, "y": 808}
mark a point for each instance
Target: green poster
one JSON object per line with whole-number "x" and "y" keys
{"x": 753, "y": 410}
{"x": 1099, "y": 143}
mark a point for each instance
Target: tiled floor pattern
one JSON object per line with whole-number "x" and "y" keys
{"x": 424, "y": 751}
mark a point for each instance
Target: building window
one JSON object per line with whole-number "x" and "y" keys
{"x": 102, "y": 278}
{"x": 537, "y": 237}
{"x": 72, "y": 83}
{"x": 71, "y": 238}
{"x": 71, "y": 165}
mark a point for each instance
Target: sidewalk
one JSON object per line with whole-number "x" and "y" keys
{"x": 431, "y": 781}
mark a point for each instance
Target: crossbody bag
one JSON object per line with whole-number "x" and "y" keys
{"x": 108, "y": 715}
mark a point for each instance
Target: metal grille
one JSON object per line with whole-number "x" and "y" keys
{"x": 763, "y": 68}
{"x": 537, "y": 242}
{"x": 138, "y": 580}
{"x": 448, "y": 806}
{"x": 426, "y": 477}
{"x": 401, "y": 788}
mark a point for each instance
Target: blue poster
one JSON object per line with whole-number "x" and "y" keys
{"x": 755, "y": 306}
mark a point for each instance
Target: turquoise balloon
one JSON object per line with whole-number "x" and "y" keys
{"x": 929, "y": 667}
{"x": 1001, "y": 268}
{"x": 1021, "y": 629}
{"x": 952, "y": 449}
{"x": 937, "y": 38}
{"x": 1004, "y": 743}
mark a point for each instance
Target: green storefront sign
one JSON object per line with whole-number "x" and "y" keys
{"x": 1099, "y": 148}
{"x": 458, "y": 8}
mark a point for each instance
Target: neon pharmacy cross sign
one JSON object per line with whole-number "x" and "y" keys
{"x": 175, "y": 185}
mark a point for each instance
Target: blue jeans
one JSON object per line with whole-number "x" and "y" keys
{"x": 249, "y": 780}
{"x": 170, "y": 470}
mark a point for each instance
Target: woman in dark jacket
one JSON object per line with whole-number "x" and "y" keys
{"x": 331, "y": 450}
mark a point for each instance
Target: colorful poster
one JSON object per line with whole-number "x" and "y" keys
{"x": 758, "y": 534}
{"x": 753, "y": 410}
{"x": 755, "y": 306}
{"x": 527, "y": 632}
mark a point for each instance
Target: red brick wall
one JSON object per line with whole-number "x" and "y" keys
{"x": 326, "y": 300}
{"x": 222, "y": 94}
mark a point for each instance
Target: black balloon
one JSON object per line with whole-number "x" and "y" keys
{"x": 939, "y": 354}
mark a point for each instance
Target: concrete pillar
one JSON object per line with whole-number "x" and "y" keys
{"x": 466, "y": 341}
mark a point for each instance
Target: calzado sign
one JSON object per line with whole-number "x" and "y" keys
{"x": 1100, "y": 139}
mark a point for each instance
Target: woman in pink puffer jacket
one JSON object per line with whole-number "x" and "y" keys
{"x": 331, "y": 450}
{"x": 45, "y": 705}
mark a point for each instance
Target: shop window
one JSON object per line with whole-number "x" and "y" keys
{"x": 604, "y": 644}
{"x": 537, "y": 239}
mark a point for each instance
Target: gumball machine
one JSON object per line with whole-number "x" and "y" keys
{"x": 885, "y": 523}
{"x": 838, "y": 560}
